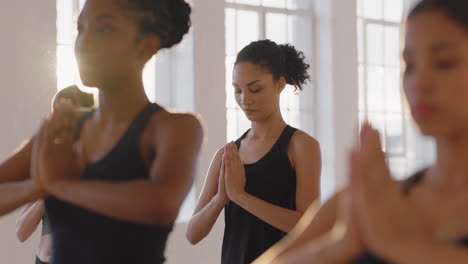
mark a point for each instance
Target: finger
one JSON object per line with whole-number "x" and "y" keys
{"x": 222, "y": 168}
{"x": 358, "y": 191}
{"x": 355, "y": 181}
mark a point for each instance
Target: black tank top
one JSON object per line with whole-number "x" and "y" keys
{"x": 271, "y": 179}
{"x": 370, "y": 258}
{"x": 83, "y": 236}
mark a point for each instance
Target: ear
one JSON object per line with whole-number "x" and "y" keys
{"x": 150, "y": 45}
{"x": 281, "y": 84}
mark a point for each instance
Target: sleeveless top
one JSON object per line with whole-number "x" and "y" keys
{"x": 84, "y": 236}
{"x": 370, "y": 258}
{"x": 271, "y": 179}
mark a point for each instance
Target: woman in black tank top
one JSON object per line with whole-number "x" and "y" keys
{"x": 114, "y": 178}
{"x": 34, "y": 212}
{"x": 377, "y": 220}
{"x": 270, "y": 175}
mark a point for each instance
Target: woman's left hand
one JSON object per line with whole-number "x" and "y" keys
{"x": 234, "y": 172}
{"x": 385, "y": 217}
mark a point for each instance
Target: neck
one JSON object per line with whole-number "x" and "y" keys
{"x": 269, "y": 127}
{"x": 451, "y": 167}
{"x": 121, "y": 103}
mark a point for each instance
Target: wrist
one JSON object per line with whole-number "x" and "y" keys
{"x": 34, "y": 190}
{"x": 57, "y": 186}
{"x": 240, "y": 198}
{"x": 219, "y": 201}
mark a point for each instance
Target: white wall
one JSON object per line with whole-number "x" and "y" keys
{"x": 27, "y": 77}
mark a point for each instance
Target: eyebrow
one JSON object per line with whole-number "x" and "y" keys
{"x": 441, "y": 46}
{"x": 99, "y": 18}
{"x": 249, "y": 84}
{"x": 105, "y": 16}
{"x": 435, "y": 48}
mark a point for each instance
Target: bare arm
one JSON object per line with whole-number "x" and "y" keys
{"x": 209, "y": 205}
{"x": 305, "y": 153}
{"x": 29, "y": 220}
{"x": 16, "y": 166}
{"x": 155, "y": 201}
{"x": 16, "y": 187}
{"x": 418, "y": 252}
{"x": 316, "y": 222}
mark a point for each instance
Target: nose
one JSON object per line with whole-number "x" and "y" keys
{"x": 246, "y": 99}
{"x": 82, "y": 43}
{"x": 420, "y": 81}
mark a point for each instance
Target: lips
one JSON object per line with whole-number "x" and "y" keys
{"x": 249, "y": 111}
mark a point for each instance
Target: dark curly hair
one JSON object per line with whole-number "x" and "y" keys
{"x": 456, "y": 9}
{"x": 76, "y": 97}
{"x": 169, "y": 19}
{"x": 280, "y": 60}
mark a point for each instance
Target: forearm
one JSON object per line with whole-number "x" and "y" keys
{"x": 16, "y": 194}
{"x": 202, "y": 222}
{"x": 325, "y": 250}
{"x": 29, "y": 220}
{"x": 142, "y": 201}
{"x": 418, "y": 252}
{"x": 16, "y": 167}
{"x": 305, "y": 231}
{"x": 279, "y": 217}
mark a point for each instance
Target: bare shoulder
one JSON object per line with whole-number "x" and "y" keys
{"x": 301, "y": 141}
{"x": 167, "y": 124}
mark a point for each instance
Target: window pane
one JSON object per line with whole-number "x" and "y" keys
{"x": 392, "y": 90}
{"x": 230, "y": 25}
{"x": 297, "y": 26}
{"x": 398, "y": 167}
{"x": 289, "y": 99}
{"x": 360, "y": 11}
{"x": 375, "y": 96}
{"x": 374, "y": 44}
{"x": 359, "y": 41}
{"x": 149, "y": 79}
{"x": 249, "y": 2}
{"x": 231, "y": 124}
{"x": 247, "y": 28}
{"x": 67, "y": 70}
{"x": 361, "y": 87}
{"x": 293, "y": 118}
{"x": 378, "y": 121}
{"x": 242, "y": 123}
{"x": 230, "y": 99}
{"x": 65, "y": 22}
{"x": 276, "y": 29}
{"x": 393, "y": 10}
{"x": 392, "y": 46}
{"x": 299, "y": 4}
{"x": 373, "y": 9}
{"x": 275, "y": 3}
{"x": 394, "y": 134}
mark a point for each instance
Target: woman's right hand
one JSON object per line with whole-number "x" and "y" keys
{"x": 221, "y": 195}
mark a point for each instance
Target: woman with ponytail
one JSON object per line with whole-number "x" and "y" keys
{"x": 267, "y": 178}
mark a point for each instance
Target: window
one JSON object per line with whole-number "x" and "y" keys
{"x": 380, "y": 95}
{"x": 283, "y": 21}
